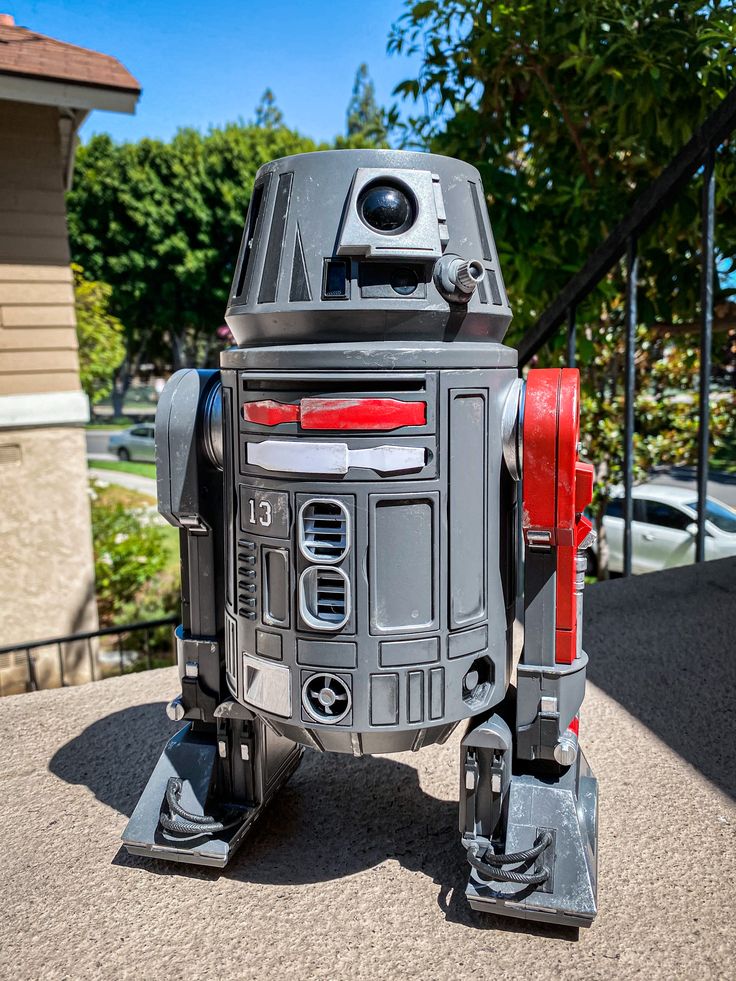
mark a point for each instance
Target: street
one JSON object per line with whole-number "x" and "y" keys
{"x": 97, "y": 444}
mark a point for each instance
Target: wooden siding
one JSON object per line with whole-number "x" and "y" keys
{"x": 38, "y": 343}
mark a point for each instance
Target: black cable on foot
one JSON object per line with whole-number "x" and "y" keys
{"x": 183, "y": 822}
{"x": 489, "y": 864}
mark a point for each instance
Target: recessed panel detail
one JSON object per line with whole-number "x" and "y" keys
{"x": 231, "y": 648}
{"x": 384, "y": 699}
{"x": 467, "y": 642}
{"x": 436, "y": 693}
{"x": 405, "y": 652}
{"x": 268, "y": 645}
{"x": 276, "y": 593}
{"x": 467, "y": 507}
{"x": 403, "y": 563}
{"x": 415, "y": 696}
{"x": 327, "y": 654}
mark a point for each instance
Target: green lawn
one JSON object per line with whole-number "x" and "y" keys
{"x": 108, "y": 427}
{"x": 127, "y": 466}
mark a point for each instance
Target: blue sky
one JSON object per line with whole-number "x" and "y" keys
{"x": 208, "y": 63}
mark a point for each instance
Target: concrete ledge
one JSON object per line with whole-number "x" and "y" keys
{"x": 356, "y": 871}
{"x": 44, "y": 409}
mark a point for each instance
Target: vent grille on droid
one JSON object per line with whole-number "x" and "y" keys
{"x": 324, "y": 531}
{"x": 326, "y": 698}
{"x": 324, "y": 598}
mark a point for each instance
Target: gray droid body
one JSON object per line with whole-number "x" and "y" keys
{"x": 347, "y": 489}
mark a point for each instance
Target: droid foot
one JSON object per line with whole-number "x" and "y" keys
{"x": 529, "y": 830}
{"x": 191, "y": 809}
{"x": 548, "y": 869}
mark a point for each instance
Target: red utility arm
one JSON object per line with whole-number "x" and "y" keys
{"x": 557, "y": 488}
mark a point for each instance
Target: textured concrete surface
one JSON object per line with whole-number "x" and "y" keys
{"x": 356, "y": 870}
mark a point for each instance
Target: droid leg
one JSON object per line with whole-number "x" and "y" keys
{"x": 208, "y": 788}
{"x": 529, "y": 800}
{"x": 216, "y": 775}
{"x": 529, "y": 833}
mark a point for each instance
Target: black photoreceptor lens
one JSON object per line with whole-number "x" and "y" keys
{"x": 386, "y": 209}
{"x": 404, "y": 281}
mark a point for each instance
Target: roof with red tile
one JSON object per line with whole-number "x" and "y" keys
{"x": 27, "y": 53}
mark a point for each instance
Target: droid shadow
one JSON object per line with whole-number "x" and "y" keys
{"x": 337, "y": 816}
{"x": 661, "y": 646}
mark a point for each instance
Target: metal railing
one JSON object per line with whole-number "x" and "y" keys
{"x": 124, "y": 659}
{"x": 699, "y": 152}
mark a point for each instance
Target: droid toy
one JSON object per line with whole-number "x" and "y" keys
{"x": 372, "y": 505}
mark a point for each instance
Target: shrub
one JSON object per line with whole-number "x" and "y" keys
{"x": 130, "y": 556}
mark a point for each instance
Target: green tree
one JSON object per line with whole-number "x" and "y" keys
{"x": 268, "y": 114}
{"x": 570, "y": 110}
{"x": 161, "y": 224}
{"x": 367, "y": 122}
{"x": 99, "y": 334}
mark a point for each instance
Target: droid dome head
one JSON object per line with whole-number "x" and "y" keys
{"x": 367, "y": 245}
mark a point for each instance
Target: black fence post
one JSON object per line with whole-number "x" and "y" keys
{"x": 32, "y": 681}
{"x": 60, "y": 652}
{"x": 632, "y": 272}
{"x": 120, "y": 632}
{"x": 91, "y": 656}
{"x": 706, "y": 338}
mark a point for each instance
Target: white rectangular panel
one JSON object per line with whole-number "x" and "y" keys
{"x": 267, "y": 685}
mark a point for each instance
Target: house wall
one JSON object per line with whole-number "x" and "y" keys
{"x": 46, "y": 567}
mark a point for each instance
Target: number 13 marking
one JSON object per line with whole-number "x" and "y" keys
{"x": 264, "y": 515}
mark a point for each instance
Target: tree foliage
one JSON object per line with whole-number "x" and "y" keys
{"x": 570, "y": 110}
{"x": 161, "y": 224}
{"x": 367, "y": 122}
{"x": 99, "y": 335}
{"x": 268, "y": 114}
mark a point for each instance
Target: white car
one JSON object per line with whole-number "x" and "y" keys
{"x": 136, "y": 443}
{"x": 664, "y": 528}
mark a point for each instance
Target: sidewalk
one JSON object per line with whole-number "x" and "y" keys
{"x": 143, "y": 485}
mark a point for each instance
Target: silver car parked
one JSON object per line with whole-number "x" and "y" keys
{"x": 136, "y": 443}
{"x": 664, "y": 527}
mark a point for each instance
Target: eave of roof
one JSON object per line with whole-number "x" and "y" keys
{"x": 28, "y": 54}
{"x": 70, "y": 95}
{"x": 129, "y": 90}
